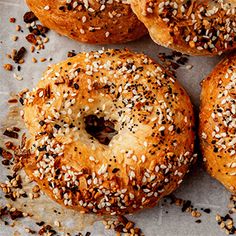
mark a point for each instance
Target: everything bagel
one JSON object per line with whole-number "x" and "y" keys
{"x": 218, "y": 124}
{"x": 90, "y": 21}
{"x": 203, "y": 27}
{"x": 110, "y": 132}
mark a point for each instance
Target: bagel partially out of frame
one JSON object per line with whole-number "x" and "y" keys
{"x": 90, "y": 21}
{"x": 111, "y": 132}
{"x": 202, "y": 27}
{"x": 218, "y": 122}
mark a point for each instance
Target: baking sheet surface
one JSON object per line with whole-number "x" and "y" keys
{"x": 198, "y": 187}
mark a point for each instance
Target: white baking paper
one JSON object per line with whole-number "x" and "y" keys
{"x": 198, "y": 187}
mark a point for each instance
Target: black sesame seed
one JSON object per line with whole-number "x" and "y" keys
{"x": 56, "y": 126}
{"x": 41, "y": 122}
{"x": 76, "y": 86}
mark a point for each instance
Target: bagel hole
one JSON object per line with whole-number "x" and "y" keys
{"x": 101, "y": 129}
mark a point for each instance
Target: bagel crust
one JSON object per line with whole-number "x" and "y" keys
{"x": 148, "y": 113}
{"x": 218, "y": 122}
{"x": 203, "y": 27}
{"x": 90, "y": 21}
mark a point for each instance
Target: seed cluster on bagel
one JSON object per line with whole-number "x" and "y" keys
{"x": 218, "y": 122}
{"x": 90, "y": 21}
{"x": 192, "y": 27}
{"x": 110, "y": 132}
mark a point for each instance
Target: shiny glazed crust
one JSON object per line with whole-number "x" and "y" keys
{"x": 146, "y": 159}
{"x": 191, "y": 27}
{"x": 90, "y": 21}
{"x": 218, "y": 122}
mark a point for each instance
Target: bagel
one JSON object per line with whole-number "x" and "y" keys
{"x": 90, "y": 21}
{"x": 110, "y": 132}
{"x": 193, "y": 27}
{"x": 217, "y": 129}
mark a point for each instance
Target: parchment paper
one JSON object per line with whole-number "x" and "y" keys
{"x": 198, "y": 187}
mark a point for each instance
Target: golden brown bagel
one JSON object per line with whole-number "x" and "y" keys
{"x": 111, "y": 132}
{"x": 203, "y": 27}
{"x": 90, "y": 21}
{"x": 218, "y": 122}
